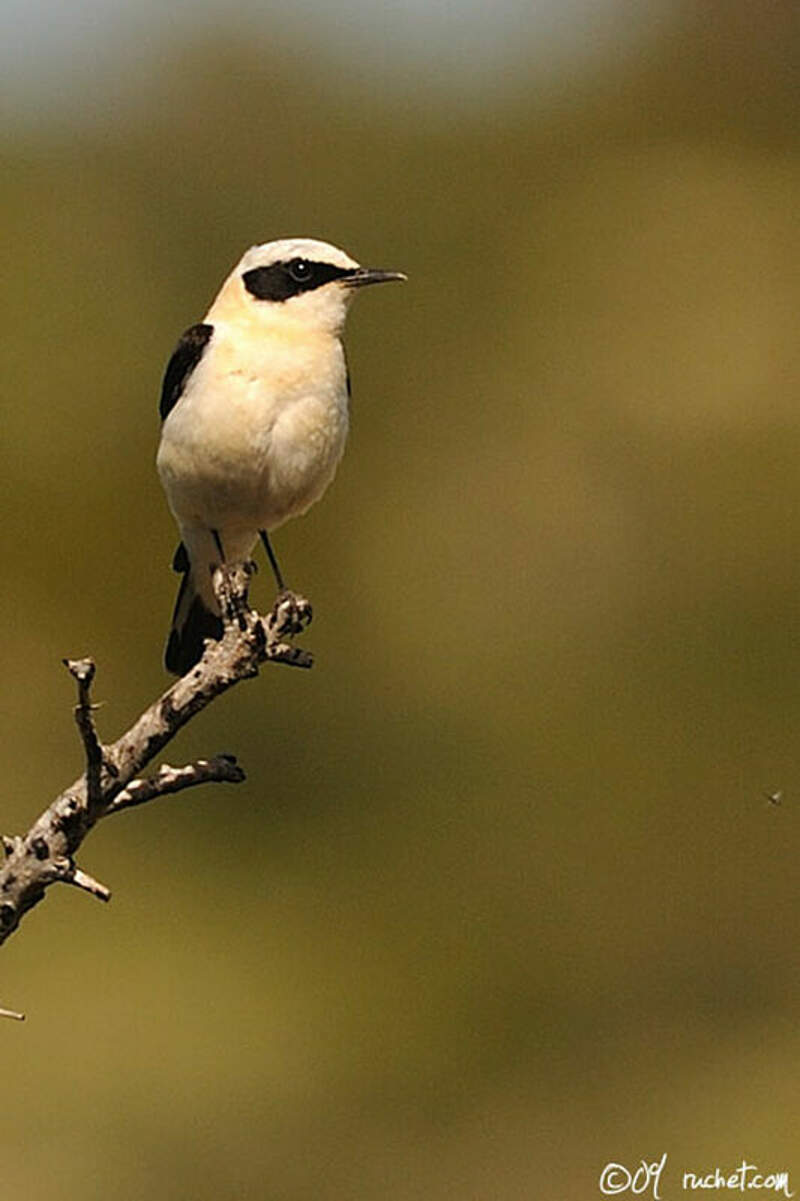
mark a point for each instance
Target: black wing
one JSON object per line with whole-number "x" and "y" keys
{"x": 180, "y": 560}
{"x": 185, "y": 357}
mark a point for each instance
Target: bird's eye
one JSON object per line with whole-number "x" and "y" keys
{"x": 300, "y": 270}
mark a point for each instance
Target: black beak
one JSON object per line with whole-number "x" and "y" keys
{"x": 361, "y": 276}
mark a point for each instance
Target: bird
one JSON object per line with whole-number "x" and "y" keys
{"x": 254, "y": 410}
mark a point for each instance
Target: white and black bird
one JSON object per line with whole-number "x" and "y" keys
{"x": 254, "y": 408}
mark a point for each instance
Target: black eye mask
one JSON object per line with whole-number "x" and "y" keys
{"x": 280, "y": 281}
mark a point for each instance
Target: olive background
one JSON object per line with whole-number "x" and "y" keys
{"x": 502, "y": 899}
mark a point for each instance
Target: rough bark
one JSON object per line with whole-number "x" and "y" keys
{"x": 111, "y": 782}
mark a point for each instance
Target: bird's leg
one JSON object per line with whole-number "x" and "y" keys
{"x": 291, "y": 613}
{"x": 218, "y": 544}
{"x": 273, "y": 562}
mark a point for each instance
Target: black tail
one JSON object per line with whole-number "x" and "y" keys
{"x": 192, "y": 622}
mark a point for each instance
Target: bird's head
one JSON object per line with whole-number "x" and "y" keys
{"x": 297, "y": 279}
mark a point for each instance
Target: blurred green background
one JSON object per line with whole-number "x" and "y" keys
{"x": 502, "y": 899}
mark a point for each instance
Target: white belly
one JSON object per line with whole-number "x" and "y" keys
{"x": 249, "y": 446}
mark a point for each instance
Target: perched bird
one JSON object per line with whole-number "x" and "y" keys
{"x": 254, "y": 407}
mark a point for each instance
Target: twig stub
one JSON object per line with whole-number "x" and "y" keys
{"x": 112, "y": 780}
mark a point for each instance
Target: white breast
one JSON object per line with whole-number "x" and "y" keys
{"x": 258, "y": 434}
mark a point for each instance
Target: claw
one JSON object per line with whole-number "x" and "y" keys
{"x": 231, "y": 592}
{"x": 291, "y": 614}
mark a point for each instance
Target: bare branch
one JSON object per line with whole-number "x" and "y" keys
{"x": 220, "y": 769}
{"x": 88, "y": 883}
{"x": 111, "y": 782}
{"x": 82, "y": 670}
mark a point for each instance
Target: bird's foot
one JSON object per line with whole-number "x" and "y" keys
{"x": 291, "y": 614}
{"x": 230, "y": 583}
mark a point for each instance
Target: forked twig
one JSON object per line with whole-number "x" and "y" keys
{"x": 112, "y": 781}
